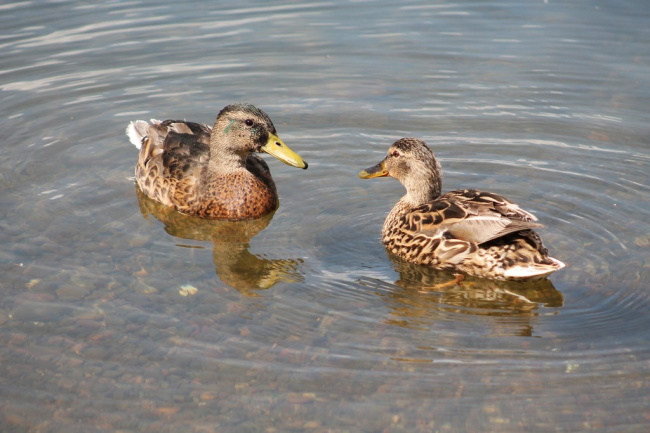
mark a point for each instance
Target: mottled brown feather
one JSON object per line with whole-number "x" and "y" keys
{"x": 208, "y": 171}
{"x": 477, "y": 232}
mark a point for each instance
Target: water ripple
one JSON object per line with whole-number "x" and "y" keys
{"x": 116, "y": 315}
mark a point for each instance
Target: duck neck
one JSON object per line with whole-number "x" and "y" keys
{"x": 422, "y": 192}
{"x": 423, "y": 185}
{"x": 224, "y": 159}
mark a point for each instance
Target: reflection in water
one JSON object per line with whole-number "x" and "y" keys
{"x": 234, "y": 264}
{"x": 421, "y": 293}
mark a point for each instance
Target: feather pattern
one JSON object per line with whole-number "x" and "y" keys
{"x": 211, "y": 171}
{"x": 477, "y": 232}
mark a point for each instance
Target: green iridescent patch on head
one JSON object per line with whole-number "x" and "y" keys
{"x": 227, "y": 128}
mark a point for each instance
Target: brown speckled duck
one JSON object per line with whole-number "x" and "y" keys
{"x": 476, "y": 232}
{"x": 211, "y": 172}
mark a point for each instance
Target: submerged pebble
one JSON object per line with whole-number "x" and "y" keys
{"x": 72, "y": 292}
{"x": 40, "y": 312}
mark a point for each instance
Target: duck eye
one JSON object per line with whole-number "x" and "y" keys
{"x": 249, "y": 122}
{"x": 395, "y": 154}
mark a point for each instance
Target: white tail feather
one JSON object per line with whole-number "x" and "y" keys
{"x": 533, "y": 271}
{"x": 560, "y": 264}
{"x": 137, "y": 131}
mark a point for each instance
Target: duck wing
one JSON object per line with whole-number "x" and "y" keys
{"x": 171, "y": 159}
{"x": 175, "y": 146}
{"x": 470, "y": 216}
{"x": 139, "y": 131}
{"x": 185, "y": 147}
{"x": 489, "y": 201}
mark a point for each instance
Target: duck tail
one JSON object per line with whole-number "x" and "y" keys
{"x": 534, "y": 271}
{"x": 137, "y": 132}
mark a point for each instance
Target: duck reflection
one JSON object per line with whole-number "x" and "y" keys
{"x": 234, "y": 263}
{"x": 421, "y": 293}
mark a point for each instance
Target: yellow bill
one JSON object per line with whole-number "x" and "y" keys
{"x": 276, "y": 148}
{"x": 378, "y": 170}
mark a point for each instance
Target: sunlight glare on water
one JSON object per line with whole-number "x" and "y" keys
{"x": 118, "y": 314}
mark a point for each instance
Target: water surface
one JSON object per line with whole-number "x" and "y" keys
{"x": 119, "y": 315}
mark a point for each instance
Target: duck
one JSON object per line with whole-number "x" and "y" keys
{"x": 475, "y": 232}
{"x": 211, "y": 171}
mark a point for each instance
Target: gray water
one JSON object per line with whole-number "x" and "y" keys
{"x": 119, "y": 315}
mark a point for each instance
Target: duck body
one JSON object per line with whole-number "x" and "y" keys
{"x": 212, "y": 172}
{"x": 476, "y": 232}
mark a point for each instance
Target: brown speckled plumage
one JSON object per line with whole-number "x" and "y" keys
{"x": 211, "y": 172}
{"x": 477, "y": 232}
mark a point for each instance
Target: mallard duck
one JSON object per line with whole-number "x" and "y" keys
{"x": 211, "y": 172}
{"x": 476, "y": 232}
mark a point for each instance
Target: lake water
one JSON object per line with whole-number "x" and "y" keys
{"x": 117, "y": 315}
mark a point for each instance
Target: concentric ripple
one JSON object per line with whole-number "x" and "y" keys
{"x": 119, "y": 315}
